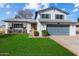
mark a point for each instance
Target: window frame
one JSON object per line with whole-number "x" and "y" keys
{"x": 45, "y": 16}
{"x": 59, "y": 16}
{"x": 17, "y": 25}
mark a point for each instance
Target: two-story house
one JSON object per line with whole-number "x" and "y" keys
{"x": 53, "y": 20}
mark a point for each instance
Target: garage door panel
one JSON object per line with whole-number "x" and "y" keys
{"x": 58, "y": 30}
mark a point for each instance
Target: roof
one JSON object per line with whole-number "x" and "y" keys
{"x": 50, "y": 9}
{"x": 41, "y": 20}
{"x": 20, "y": 20}
{"x": 56, "y": 21}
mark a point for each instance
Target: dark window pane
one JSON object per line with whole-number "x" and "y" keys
{"x": 59, "y": 17}
{"x": 45, "y": 15}
{"x": 17, "y": 25}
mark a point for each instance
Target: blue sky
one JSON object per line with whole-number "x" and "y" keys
{"x": 9, "y": 10}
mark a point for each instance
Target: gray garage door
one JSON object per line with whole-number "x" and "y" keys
{"x": 58, "y": 29}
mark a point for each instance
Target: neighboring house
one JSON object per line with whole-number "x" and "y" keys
{"x": 53, "y": 20}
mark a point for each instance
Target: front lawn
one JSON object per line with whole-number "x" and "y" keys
{"x": 22, "y": 45}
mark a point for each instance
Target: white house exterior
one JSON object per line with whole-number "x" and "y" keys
{"x": 53, "y": 20}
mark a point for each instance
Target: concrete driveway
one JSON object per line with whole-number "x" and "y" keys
{"x": 69, "y": 42}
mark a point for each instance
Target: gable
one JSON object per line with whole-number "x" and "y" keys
{"x": 51, "y": 10}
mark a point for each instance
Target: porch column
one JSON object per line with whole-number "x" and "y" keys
{"x": 6, "y": 27}
{"x": 29, "y": 28}
{"x": 72, "y": 29}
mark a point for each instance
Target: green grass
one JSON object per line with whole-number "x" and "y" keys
{"x": 21, "y": 45}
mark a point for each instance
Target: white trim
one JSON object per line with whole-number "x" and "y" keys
{"x": 72, "y": 30}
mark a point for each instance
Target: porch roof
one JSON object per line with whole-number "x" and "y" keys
{"x": 20, "y": 20}
{"x": 40, "y": 20}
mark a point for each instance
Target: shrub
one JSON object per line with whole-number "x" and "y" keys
{"x": 36, "y": 33}
{"x": 45, "y": 33}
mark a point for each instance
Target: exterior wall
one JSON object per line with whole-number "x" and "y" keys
{"x": 52, "y": 13}
{"x": 58, "y": 12}
{"x": 72, "y": 30}
{"x": 40, "y": 27}
{"x": 9, "y": 24}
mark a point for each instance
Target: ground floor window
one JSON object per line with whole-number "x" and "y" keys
{"x": 17, "y": 25}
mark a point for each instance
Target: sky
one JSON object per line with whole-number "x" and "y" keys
{"x": 9, "y": 10}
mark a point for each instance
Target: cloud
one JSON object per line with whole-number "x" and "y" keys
{"x": 31, "y": 6}
{"x": 2, "y": 5}
{"x": 76, "y": 4}
{"x": 15, "y": 12}
{"x": 76, "y": 7}
{"x": 63, "y": 9}
{"x": 8, "y": 12}
{"x": 45, "y": 5}
{"x": 7, "y": 6}
{"x": 36, "y": 6}
{"x": 75, "y": 10}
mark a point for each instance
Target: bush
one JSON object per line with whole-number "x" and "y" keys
{"x": 45, "y": 33}
{"x": 36, "y": 33}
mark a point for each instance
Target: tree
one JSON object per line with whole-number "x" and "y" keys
{"x": 17, "y": 17}
{"x": 24, "y": 14}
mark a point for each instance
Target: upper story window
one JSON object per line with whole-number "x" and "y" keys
{"x": 46, "y": 16}
{"x": 59, "y": 16}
